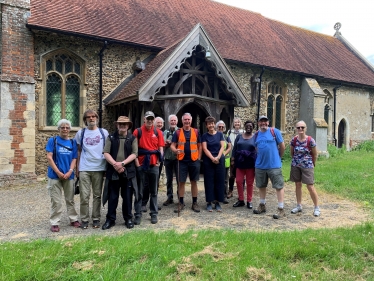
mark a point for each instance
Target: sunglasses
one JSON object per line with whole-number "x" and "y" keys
{"x": 221, "y": 127}
{"x": 302, "y": 128}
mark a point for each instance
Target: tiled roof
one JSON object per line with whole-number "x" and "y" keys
{"x": 238, "y": 34}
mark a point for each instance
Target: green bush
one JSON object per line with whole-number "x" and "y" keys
{"x": 365, "y": 146}
{"x": 335, "y": 151}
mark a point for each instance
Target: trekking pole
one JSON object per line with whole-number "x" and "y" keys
{"x": 179, "y": 206}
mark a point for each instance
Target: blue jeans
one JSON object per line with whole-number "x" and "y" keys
{"x": 152, "y": 177}
{"x": 171, "y": 167}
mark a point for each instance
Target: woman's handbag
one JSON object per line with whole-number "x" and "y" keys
{"x": 76, "y": 186}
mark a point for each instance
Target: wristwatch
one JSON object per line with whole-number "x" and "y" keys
{"x": 123, "y": 164}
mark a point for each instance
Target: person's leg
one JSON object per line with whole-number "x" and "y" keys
{"x": 313, "y": 194}
{"x": 169, "y": 178}
{"x": 97, "y": 190}
{"x": 114, "y": 188}
{"x": 219, "y": 180}
{"x": 239, "y": 183}
{"x": 84, "y": 194}
{"x": 209, "y": 180}
{"x": 126, "y": 194}
{"x": 226, "y": 181}
{"x": 145, "y": 197}
{"x": 138, "y": 203}
{"x": 152, "y": 183}
{"x": 299, "y": 192}
{"x": 249, "y": 176}
{"x": 55, "y": 192}
{"x": 232, "y": 177}
{"x": 68, "y": 187}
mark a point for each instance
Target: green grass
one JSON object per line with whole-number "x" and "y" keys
{"x": 339, "y": 254}
{"x": 323, "y": 254}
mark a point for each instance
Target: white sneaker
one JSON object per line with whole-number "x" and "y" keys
{"x": 297, "y": 209}
{"x": 317, "y": 212}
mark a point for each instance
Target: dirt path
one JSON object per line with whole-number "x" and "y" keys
{"x": 25, "y": 212}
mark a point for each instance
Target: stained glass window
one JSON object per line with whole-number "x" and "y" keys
{"x": 53, "y": 99}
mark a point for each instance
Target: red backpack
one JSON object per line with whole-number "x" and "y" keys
{"x": 308, "y": 140}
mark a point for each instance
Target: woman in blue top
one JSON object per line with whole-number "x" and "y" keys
{"x": 213, "y": 144}
{"x": 62, "y": 156}
{"x": 304, "y": 154}
{"x": 244, "y": 154}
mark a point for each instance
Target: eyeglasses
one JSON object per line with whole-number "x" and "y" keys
{"x": 221, "y": 127}
{"x": 93, "y": 116}
{"x": 65, "y": 128}
{"x": 300, "y": 128}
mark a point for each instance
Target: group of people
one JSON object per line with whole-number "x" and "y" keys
{"x": 131, "y": 161}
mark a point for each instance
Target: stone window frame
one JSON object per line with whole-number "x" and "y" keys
{"x": 275, "y": 95}
{"x": 43, "y": 80}
{"x": 329, "y": 100}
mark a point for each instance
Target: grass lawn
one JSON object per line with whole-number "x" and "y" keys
{"x": 323, "y": 254}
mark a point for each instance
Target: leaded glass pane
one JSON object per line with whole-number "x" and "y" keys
{"x": 59, "y": 66}
{"x": 49, "y": 65}
{"x": 63, "y": 57}
{"x": 270, "y": 110}
{"x": 77, "y": 68}
{"x": 72, "y": 100}
{"x": 68, "y": 66}
{"x": 326, "y": 113}
{"x": 53, "y": 100}
{"x": 278, "y": 112}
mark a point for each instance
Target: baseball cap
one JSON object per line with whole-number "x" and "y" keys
{"x": 149, "y": 114}
{"x": 263, "y": 117}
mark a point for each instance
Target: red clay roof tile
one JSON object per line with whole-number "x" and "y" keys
{"x": 238, "y": 34}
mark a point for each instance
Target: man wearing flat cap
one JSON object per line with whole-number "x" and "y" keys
{"x": 150, "y": 148}
{"x": 270, "y": 149}
{"x": 120, "y": 151}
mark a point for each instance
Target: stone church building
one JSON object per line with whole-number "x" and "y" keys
{"x": 124, "y": 57}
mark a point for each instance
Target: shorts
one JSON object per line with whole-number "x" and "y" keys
{"x": 190, "y": 168}
{"x": 304, "y": 175}
{"x": 275, "y": 176}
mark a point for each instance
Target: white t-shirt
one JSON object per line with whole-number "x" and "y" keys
{"x": 92, "y": 157}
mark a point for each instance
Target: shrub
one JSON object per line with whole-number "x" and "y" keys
{"x": 365, "y": 146}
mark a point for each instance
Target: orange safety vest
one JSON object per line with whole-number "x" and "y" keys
{"x": 193, "y": 144}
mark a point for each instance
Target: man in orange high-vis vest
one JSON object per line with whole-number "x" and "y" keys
{"x": 186, "y": 144}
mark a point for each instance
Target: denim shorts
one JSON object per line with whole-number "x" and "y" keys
{"x": 275, "y": 176}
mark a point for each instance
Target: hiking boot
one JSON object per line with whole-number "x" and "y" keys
{"x": 76, "y": 224}
{"x": 84, "y": 224}
{"x": 218, "y": 207}
{"x": 168, "y": 202}
{"x": 144, "y": 208}
{"x": 137, "y": 220}
{"x": 229, "y": 194}
{"x": 279, "y": 214}
{"x": 209, "y": 207}
{"x": 195, "y": 207}
{"x": 179, "y": 207}
{"x": 297, "y": 209}
{"x": 96, "y": 224}
{"x": 260, "y": 209}
{"x": 154, "y": 219}
{"x": 316, "y": 212}
{"x": 55, "y": 228}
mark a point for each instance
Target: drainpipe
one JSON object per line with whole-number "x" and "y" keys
{"x": 334, "y": 121}
{"x": 101, "y": 54}
{"x": 259, "y": 96}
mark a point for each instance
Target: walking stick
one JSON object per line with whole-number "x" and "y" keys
{"x": 179, "y": 206}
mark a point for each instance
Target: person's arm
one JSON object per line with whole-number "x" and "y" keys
{"x": 281, "y": 148}
{"x": 228, "y": 149}
{"x": 222, "y": 143}
{"x": 207, "y": 152}
{"x": 314, "y": 155}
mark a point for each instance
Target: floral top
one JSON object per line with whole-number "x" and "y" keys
{"x": 302, "y": 157}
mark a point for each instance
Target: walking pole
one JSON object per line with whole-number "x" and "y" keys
{"x": 179, "y": 206}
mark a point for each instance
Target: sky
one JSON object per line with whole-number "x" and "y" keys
{"x": 355, "y": 16}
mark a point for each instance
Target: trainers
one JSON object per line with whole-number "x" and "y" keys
{"x": 297, "y": 209}
{"x": 76, "y": 224}
{"x": 137, "y": 220}
{"x": 195, "y": 207}
{"x": 229, "y": 195}
{"x": 168, "y": 202}
{"x": 144, "y": 208}
{"x": 84, "y": 224}
{"x": 179, "y": 207}
{"x": 218, "y": 207}
{"x": 209, "y": 207}
{"x": 260, "y": 209}
{"x": 154, "y": 219}
{"x": 96, "y": 224}
{"x": 55, "y": 228}
{"x": 316, "y": 212}
{"x": 280, "y": 214}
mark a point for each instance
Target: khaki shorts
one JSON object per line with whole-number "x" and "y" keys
{"x": 304, "y": 175}
{"x": 275, "y": 176}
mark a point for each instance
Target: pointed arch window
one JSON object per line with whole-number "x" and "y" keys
{"x": 275, "y": 105}
{"x": 63, "y": 89}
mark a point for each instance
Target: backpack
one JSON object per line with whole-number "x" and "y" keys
{"x": 140, "y": 132}
{"x": 101, "y": 131}
{"x": 55, "y": 143}
{"x": 308, "y": 140}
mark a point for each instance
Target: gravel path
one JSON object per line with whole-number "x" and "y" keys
{"x": 25, "y": 215}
